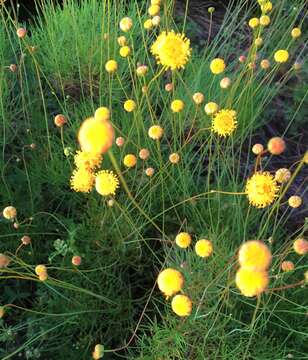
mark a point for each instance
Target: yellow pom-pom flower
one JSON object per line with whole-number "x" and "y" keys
{"x": 217, "y": 66}
{"x": 95, "y": 136}
{"x": 181, "y": 305}
{"x": 125, "y": 51}
{"x": 183, "y": 240}
{"x": 106, "y": 182}
{"x": 170, "y": 281}
{"x": 287, "y": 265}
{"x": 153, "y": 10}
{"x": 295, "y": 201}
{"x": 9, "y": 212}
{"x": 177, "y": 105}
{"x": 126, "y": 24}
{"x": 296, "y": 33}
{"x": 224, "y": 122}
{"x": 211, "y": 108}
{"x": 156, "y": 132}
{"x": 102, "y": 114}
{"x": 82, "y": 180}
{"x": 40, "y": 269}
{"x": 265, "y": 20}
{"x": 250, "y": 282}
{"x": 130, "y": 105}
{"x": 261, "y": 189}
{"x": 174, "y": 158}
{"x": 266, "y": 7}
{"x": 198, "y": 98}
{"x": 254, "y": 255}
{"x": 282, "y": 175}
{"x": 281, "y": 56}
{"x": 300, "y": 246}
{"x": 111, "y": 66}
{"x": 86, "y": 160}
{"x": 254, "y": 22}
{"x": 204, "y": 248}
{"x": 148, "y": 24}
{"x": 171, "y": 50}
{"x": 130, "y": 160}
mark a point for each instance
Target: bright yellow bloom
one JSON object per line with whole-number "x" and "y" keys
{"x": 142, "y": 70}
{"x": 198, "y": 98}
{"x": 174, "y": 158}
{"x": 106, "y": 182}
{"x": 204, "y": 248}
{"x": 261, "y": 189}
{"x": 144, "y": 154}
{"x": 181, "y": 305}
{"x": 153, "y": 10}
{"x": 266, "y": 7}
{"x": 211, "y": 108}
{"x": 149, "y": 171}
{"x": 98, "y": 352}
{"x": 265, "y": 64}
{"x": 257, "y": 149}
{"x": 254, "y": 255}
{"x": 9, "y": 212}
{"x": 102, "y": 114}
{"x": 130, "y": 105}
{"x": 40, "y": 269}
{"x": 300, "y": 246}
{"x": 130, "y": 160}
{"x": 111, "y": 66}
{"x": 86, "y": 160}
{"x": 265, "y": 20}
{"x": 224, "y": 122}
{"x": 156, "y": 132}
{"x": 170, "y": 281}
{"x": 281, "y": 56}
{"x": 296, "y": 33}
{"x": 295, "y": 201}
{"x": 183, "y": 240}
{"x": 95, "y": 136}
{"x": 217, "y": 66}
{"x": 82, "y": 180}
{"x": 177, "y": 105}
{"x": 148, "y": 24}
{"x": 258, "y": 42}
{"x": 282, "y": 175}
{"x": 171, "y": 50}
{"x": 125, "y": 51}
{"x": 122, "y": 40}
{"x": 254, "y": 22}
{"x": 250, "y": 282}
{"x": 126, "y": 24}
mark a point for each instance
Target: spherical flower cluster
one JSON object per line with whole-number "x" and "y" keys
{"x": 142, "y": 70}
{"x": 265, "y": 64}
{"x": 174, "y": 158}
{"x": 177, "y": 105}
{"x": 217, "y": 66}
{"x": 282, "y": 175}
{"x": 41, "y": 272}
{"x": 211, "y": 108}
{"x": 26, "y": 240}
{"x": 122, "y": 40}
{"x": 296, "y": 33}
{"x": 102, "y": 114}
{"x": 86, "y": 160}
{"x": 9, "y": 212}
{"x": 130, "y": 105}
{"x": 148, "y": 24}
{"x": 224, "y": 122}
{"x": 130, "y": 160}
{"x": 170, "y": 281}
{"x": 144, "y": 154}
{"x": 171, "y": 50}
{"x": 266, "y": 7}
{"x": 149, "y": 171}
{"x": 60, "y": 120}
{"x": 120, "y": 141}
{"x": 125, "y": 51}
{"x": 76, "y": 260}
{"x": 265, "y": 20}
{"x": 181, "y": 305}
{"x": 257, "y": 149}
{"x": 126, "y": 24}
{"x": 261, "y": 189}
{"x": 106, "y": 182}
{"x": 153, "y": 10}
{"x": 287, "y": 265}
{"x": 198, "y": 98}
{"x": 21, "y": 32}
{"x": 276, "y": 146}
{"x": 111, "y": 66}
{"x": 204, "y": 248}
{"x": 251, "y": 283}
{"x": 253, "y": 22}
{"x": 82, "y": 180}
{"x": 300, "y": 246}
{"x": 281, "y": 56}
{"x": 225, "y": 83}
{"x": 156, "y": 132}
{"x": 98, "y": 352}
{"x": 254, "y": 255}
{"x": 295, "y": 201}
{"x": 183, "y": 240}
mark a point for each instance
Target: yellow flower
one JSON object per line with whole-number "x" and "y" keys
{"x": 98, "y": 352}
{"x": 296, "y": 32}
{"x": 149, "y": 171}
{"x": 156, "y": 20}
{"x": 9, "y": 212}
{"x": 217, "y": 66}
{"x": 211, "y": 108}
{"x": 156, "y": 132}
{"x": 224, "y": 122}
{"x": 126, "y": 24}
{"x": 254, "y": 255}
{"x": 130, "y": 105}
{"x": 153, "y": 10}
{"x": 102, "y": 114}
{"x": 142, "y": 70}
{"x": 43, "y": 276}
{"x": 82, "y": 180}
{"x": 125, "y": 51}
{"x": 40, "y": 269}
{"x": 204, "y": 248}
{"x": 198, "y": 98}
{"x": 258, "y": 41}
{"x": 95, "y": 136}
{"x": 170, "y": 281}
{"x": 265, "y": 64}
{"x": 87, "y": 160}
{"x": 266, "y": 7}
{"x": 295, "y": 201}
{"x": 300, "y": 246}
{"x": 171, "y": 50}
{"x": 250, "y": 282}
{"x": 106, "y": 182}
{"x": 261, "y": 189}
{"x": 111, "y": 66}
{"x": 130, "y": 160}
{"x": 181, "y": 305}
{"x": 177, "y": 105}
{"x": 287, "y": 265}
{"x": 265, "y": 20}
{"x": 148, "y": 24}
{"x": 183, "y": 240}
{"x": 122, "y": 40}
{"x": 257, "y": 149}
{"x": 282, "y": 175}
{"x": 281, "y": 56}
{"x": 174, "y": 158}
{"x": 254, "y": 22}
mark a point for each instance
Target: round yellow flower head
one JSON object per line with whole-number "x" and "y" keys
{"x": 300, "y": 246}
{"x": 144, "y": 154}
{"x": 40, "y": 269}
{"x": 225, "y": 83}
{"x": 261, "y": 189}
{"x": 295, "y": 201}
{"x": 257, "y": 149}
{"x": 296, "y": 33}
{"x": 276, "y": 145}
{"x": 82, "y": 180}
{"x": 122, "y": 40}
{"x": 258, "y": 41}
{"x": 174, "y": 158}
{"x": 287, "y": 266}
{"x": 148, "y": 24}
{"x": 217, "y": 66}
{"x": 281, "y": 56}
{"x": 98, "y": 352}
{"x": 198, "y": 98}
{"x": 95, "y": 136}
{"x": 265, "y": 20}
{"x": 125, "y": 51}
{"x": 282, "y": 175}
{"x": 171, "y": 50}
{"x": 251, "y": 283}
{"x": 156, "y": 132}
{"x": 130, "y": 105}
{"x": 4, "y": 261}
{"x": 26, "y": 240}
{"x": 211, "y": 108}
{"x": 170, "y": 281}
{"x": 204, "y": 248}
{"x": 177, "y": 105}
{"x": 265, "y": 64}
{"x": 156, "y": 20}
{"x": 183, "y": 240}
{"x": 43, "y": 276}
{"x": 111, "y": 66}
{"x": 149, "y": 171}
{"x": 102, "y": 114}
{"x": 181, "y": 305}
{"x": 120, "y": 141}
{"x": 9, "y": 212}
{"x": 106, "y": 182}
{"x": 126, "y": 24}
{"x": 266, "y": 7}
{"x": 142, "y": 70}
{"x": 254, "y": 255}
{"x": 153, "y": 10}
{"x": 224, "y": 122}
{"x": 254, "y": 22}
{"x": 130, "y": 160}
{"x": 86, "y": 160}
